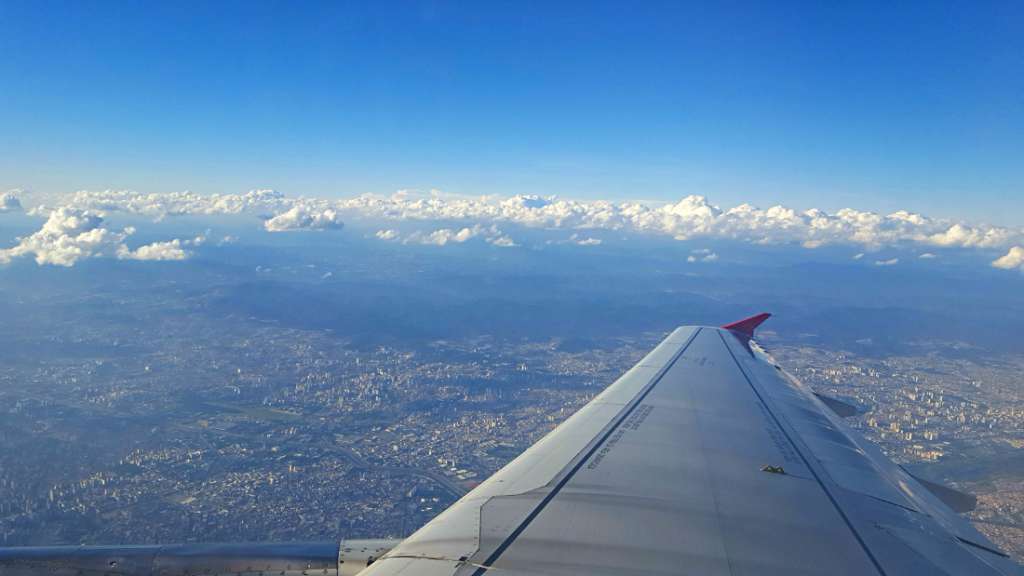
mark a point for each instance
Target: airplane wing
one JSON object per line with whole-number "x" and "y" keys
{"x": 706, "y": 459}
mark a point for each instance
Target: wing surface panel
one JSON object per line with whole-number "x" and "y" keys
{"x": 455, "y": 533}
{"x": 679, "y": 484}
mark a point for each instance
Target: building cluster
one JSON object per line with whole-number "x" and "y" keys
{"x": 919, "y": 409}
{"x": 284, "y": 436}
{"x": 291, "y": 435}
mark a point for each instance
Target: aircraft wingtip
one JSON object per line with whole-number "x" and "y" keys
{"x": 747, "y": 326}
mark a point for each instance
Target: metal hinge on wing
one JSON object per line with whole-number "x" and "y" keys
{"x": 958, "y": 501}
{"x": 462, "y": 560}
{"x": 840, "y": 408}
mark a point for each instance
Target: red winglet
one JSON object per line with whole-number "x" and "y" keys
{"x": 747, "y": 326}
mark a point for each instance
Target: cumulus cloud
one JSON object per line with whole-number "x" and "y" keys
{"x": 502, "y": 241}
{"x": 702, "y": 255}
{"x": 1012, "y": 260}
{"x": 72, "y": 234}
{"x": 76, "y": 230}
{"x": 305, "y": 217}
{"x": 578, "y": 240}
{"x": 284, "y": 214}
{"x": 588, "y": 241}
{"x": 170, "y": 250}
{"x": 927, "y": 256}
{"x": 889, "y": 262}
{"x": 9, "y": 201}
{"x": 68, "y": 235}
{"x": 443, "y": 236}
{"x": 963, "y": 235}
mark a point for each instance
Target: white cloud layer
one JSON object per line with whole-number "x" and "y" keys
{"x": 162, "y": 205}
{"x": 1012, "y": 260}
{"x": 692, "y": 217}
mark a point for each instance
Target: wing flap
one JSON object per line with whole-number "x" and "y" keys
{"x": 840, "y": 408}
{"x": 959, "y": 502}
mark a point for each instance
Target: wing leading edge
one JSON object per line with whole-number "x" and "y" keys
{"x": 705, "y": 458}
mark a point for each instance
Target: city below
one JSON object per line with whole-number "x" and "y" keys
{"x": 278, "y": 434}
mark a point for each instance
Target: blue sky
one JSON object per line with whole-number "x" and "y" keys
{"x": 918, "y": 107}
